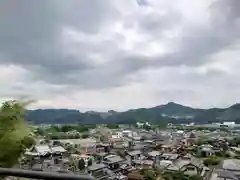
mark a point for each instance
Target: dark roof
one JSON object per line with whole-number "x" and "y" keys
{"x": 115, "y": 159}
{"x": 95, "y": 167}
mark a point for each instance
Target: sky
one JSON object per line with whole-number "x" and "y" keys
{"x": 120, "y": 54}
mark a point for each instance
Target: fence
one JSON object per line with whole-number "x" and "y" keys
{"x": 42, "y": 175}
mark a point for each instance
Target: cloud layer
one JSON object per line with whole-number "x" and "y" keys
{"x": 120, "y": 54}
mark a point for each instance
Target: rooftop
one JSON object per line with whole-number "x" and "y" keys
{"x": 231, "y": 164}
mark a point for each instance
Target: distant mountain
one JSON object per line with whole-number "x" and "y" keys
{"x": 170, "y": 112}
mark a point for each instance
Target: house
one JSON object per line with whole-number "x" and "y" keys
{"x": 103, "y": 147}
{"x": 40, "y": 150}
{"x": 58, "y": 150}
{"x": 190, "y": 166}
{"x": 169, "y": 156}
{"x": 154, "y": 156}
{"x": 143, "y": 163}
{"x": 127, "y": 133}
{"x": 164, "y": 164}
{"x": 113, "y": 162}
{"x": 97, "y": 171}
{"x": 87, "y": 145}
{"x": 117, "y": 143}
{"x": 126, "y": 168}
{"x": 207, "y": 150}
{"x": 167, "y": 148}
{"x": 138, "y": 145}
{"x": 161, "y": 139}
{"x": 134, "y": 154}
{"x": 116, "y": 135}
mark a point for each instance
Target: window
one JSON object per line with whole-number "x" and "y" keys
{"x": 191, "y": 168}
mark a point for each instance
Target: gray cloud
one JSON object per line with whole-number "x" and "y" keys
{"x": 30, "y": 33}
{"x": 32, "y": 36}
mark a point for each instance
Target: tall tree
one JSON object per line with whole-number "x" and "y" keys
{"x": 14, "y": 132}
{"x": 81, "y": 164}
{"x": 90, "y": 162}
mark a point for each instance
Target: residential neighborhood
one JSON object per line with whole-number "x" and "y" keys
{"x": 137, "y": 152}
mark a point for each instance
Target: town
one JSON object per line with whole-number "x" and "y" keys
{"x": 139, "y": 151}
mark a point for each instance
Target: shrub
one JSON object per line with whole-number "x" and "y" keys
{"x": 211, "y": 161}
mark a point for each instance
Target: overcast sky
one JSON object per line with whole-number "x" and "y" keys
{"x": 120, "y": 54}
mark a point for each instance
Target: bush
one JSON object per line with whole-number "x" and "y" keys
{"x": 81, "y": 164}
{"x": 90, "y": 162}
{"x": 150, "y": 175}
{"x": 84, "y": 136}
{"x": 211, "y": 161}
{"x": 223, "y": 154}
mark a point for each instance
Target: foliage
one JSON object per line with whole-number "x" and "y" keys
{"x": 179, "y": 175}
{"x": 235, "y": 141}
{"x": 13, "y": 132}
{"x": 211, "y": 161}
{"x": 60, "y": 135}
{"x": 56, "y": 143}
{"x": 90, "y": 162}
{"x": 146, "y": 127}
{"x": 112, "y": 126}
{"x": 150, "y": 175}
{"x": 28, "y": 141}
{"x": 152, "y": 115}
{"x": 39, "y": 132}
{"x": 61, "y": 130}
{"x": 81, "y": 164}
{"x": 222, "y": 154}
{"x": 67, "y": 128}
{"x": 102, "y": 138}
{"x": 84, "y": 136}
{"x": 53, "y": 129}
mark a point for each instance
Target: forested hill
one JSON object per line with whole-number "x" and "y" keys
{"x": 170, "y": 112}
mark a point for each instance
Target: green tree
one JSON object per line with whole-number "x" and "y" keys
{"x": 81, "y": 164}
{"x": 56, "y": 143}
{"x": 84, "y": 136}
{"x": 176, "y": 175}
{"x": 67, "y": 128}
{"x": 13, "y": 132}
{"x": 39, "y": 132}
{"x": 90, "y": 162}
{"x": 28, "y": 141}
{"x": 112, "y": 126}
{"x": 149, "y": 175}
{"x": 53, "y": 129}
{"x": 211, "y": 161}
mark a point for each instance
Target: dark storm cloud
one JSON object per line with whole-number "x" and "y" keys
{"x": 30, "y": 36}
{"x": 30, "y": 31}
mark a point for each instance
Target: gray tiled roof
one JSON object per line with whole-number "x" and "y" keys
{"x": 154, "y": 153}
{"x": 94, "y": 167}
{"x": 114, "y": 159}
{"x": 226, "y": 174}
{"x": 134, "y": 153}
{"x": 196, "y": 162}
{"x": 231, "y": 164}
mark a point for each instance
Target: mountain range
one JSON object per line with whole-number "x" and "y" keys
{"x": 167, "y": 113}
